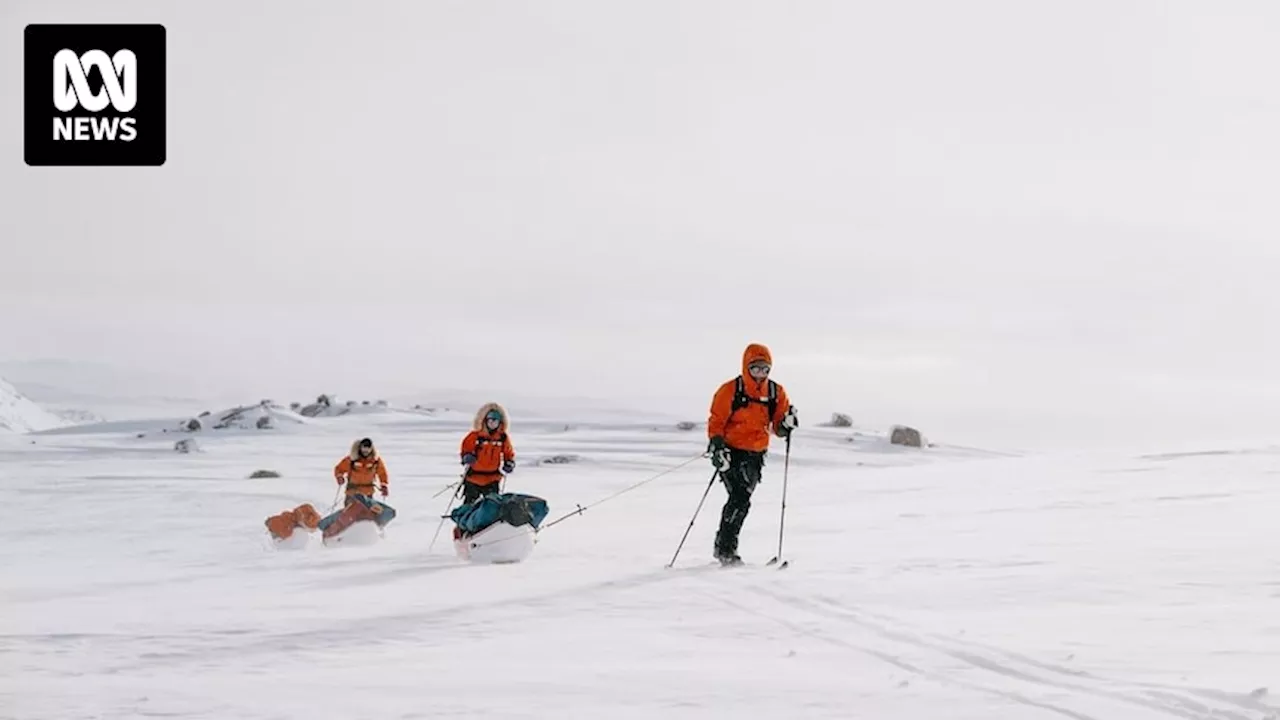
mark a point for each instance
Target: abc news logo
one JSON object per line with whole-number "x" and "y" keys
{"x": 108, "y": 101}
{"x": 71, "y": 88}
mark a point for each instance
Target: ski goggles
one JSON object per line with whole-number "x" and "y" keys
{"x": 493, "y": 418}
{"x": 758, "y": 370}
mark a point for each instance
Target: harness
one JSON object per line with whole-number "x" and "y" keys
{"x": 741, "y": 399}
{"x": 481, "y": 441}
{"x": 375, "y": 462}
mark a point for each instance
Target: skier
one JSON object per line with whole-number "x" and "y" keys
{"x": 742, "y": 412}
{"x": 359, "y": 469}
{"x": 487, "y": 453}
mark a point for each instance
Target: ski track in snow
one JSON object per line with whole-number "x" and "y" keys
{"x": 998, "y": 664}
{"x": 947, "y": 583}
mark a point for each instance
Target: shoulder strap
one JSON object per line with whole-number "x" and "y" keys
{"x": 741, "y": 399}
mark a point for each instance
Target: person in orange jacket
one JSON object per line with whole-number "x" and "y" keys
{"x": 487, "y": 453}
{"x": 743, "y": 412}
{"x": 359, "y": 469}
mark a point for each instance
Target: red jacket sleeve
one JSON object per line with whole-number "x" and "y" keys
{"x": 469, "y": 443}
{"x": 508, "y": 450}
{"x": 342, "y": 468}
{"x": 382, "y": 472}
{"x": 721, "y": 407}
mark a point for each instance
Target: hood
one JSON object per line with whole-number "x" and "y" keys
{"x": 754, "y": 351}
{"x": 478, "y": 422}
{"x": 355, "y": 450}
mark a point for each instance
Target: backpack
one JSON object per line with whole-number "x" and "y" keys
{"x": 741, "y": 399}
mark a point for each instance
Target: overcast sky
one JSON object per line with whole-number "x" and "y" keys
{"x": 1043, "y": 219}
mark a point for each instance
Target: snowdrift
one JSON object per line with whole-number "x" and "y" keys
{"x": 20, "y": 415}
{"x": 263, "y": 416}
{"x": 266, "y": 415}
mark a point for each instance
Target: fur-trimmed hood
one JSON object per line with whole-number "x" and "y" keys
{"x": 355, "y": 450}
{"x": 477, "y": 423}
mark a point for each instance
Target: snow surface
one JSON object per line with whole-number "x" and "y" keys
{"x": 937, "y": 583}
{"x": 20, "y": 415}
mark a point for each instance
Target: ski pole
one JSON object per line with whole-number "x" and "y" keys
{"x": 442, "y": 490}
{"x": 786, "y": 465}
{"x": 446, "y": 512}
{"x": 706, "y": 492}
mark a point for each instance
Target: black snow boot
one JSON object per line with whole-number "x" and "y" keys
{"x": 726, "y": 548}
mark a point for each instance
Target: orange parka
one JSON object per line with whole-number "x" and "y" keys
{"x": 747, "y": 428}
{"x": 491, "y": 449}
{"x": 360, "y": 472}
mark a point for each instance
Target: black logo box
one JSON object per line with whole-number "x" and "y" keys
{"x": 41, "y": 43}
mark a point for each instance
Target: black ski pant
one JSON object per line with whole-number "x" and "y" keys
{"x": 740, "y": 479}
{"x": 472, "y": 492}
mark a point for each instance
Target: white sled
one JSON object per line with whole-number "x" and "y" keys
{"x": 364, "y": 532}
{"x": 297, "y": 541}
{"x": 499, "y": 543}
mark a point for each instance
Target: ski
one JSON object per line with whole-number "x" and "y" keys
{"x": 743, "y": 564}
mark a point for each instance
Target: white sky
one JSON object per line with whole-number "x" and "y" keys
{"x": 1044, "y": 219}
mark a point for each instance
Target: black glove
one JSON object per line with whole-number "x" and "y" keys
{"x": 719, "y": 453}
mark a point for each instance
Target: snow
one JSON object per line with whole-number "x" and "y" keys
{"x": 363, "y": 533}
{"x": 258, "y": 417}
{"x": 297, "y": 541}
{"x": 19, "y": 414}
{"x": 924, "y": 583}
